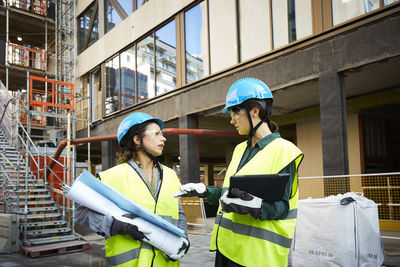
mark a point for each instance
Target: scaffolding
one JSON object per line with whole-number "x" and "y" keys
{"x": 35, "y": 6}
{"x": 65, "y": 50}
{"x": 39, "y": 84}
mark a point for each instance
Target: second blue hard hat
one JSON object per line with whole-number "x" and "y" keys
{"x": 244, "y": 89}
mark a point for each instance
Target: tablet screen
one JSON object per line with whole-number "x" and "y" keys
{"x": 269, "y": 187}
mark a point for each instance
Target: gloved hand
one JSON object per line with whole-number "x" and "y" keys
{"x": 243, "y": 203}
{"x": 182, "y": 251}
{"x": 125, "y": 225}
{"x": 192, "y": 190}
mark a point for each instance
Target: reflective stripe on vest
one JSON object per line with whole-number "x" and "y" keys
{"x": 122, "y": 249}
{"x": 129, "y": 255}
{"x": 260, "y": 233}
{"x": 271, "y": 238}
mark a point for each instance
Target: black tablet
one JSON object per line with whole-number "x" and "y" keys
{"x": 269, "y": 187}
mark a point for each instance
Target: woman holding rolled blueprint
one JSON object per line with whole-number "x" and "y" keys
{"x": 140, "y": 177}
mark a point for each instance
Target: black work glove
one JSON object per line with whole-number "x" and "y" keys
{"x": 124, "y": 228}
{"x": 241, "y": 203}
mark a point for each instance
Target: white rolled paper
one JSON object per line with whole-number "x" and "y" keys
{"x": 158, "y": 237}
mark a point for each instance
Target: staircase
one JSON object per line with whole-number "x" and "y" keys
{"x": 23, "y": 194}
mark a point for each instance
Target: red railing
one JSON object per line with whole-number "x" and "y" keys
{"x": 46, "y": 92}
{"x": 27, "y": 57}
{"x": 34, "y": 6}
{"x": 37, "y": 120}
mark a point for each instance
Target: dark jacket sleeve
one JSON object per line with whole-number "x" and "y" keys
{"x": 99, "y": 223}
{"x": 182, "y": 219}
{"x": 213, "y": 195}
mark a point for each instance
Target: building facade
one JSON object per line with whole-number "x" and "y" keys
{"x": 333, "y": 67}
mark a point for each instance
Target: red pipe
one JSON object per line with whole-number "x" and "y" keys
{"x": 166, "y": 131}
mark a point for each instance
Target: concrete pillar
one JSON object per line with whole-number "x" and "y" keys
{"x": 334, "y": 132}
{"x": 188, "y": 151}
{"x": 333, "y": 124}
{"x": 108, "y": 154}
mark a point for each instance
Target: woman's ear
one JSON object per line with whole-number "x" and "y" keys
{"x": 136, "y": 140}
{"x": 254, "y": 112}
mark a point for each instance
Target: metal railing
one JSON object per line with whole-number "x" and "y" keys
{"x": 35, "y": 6}
{"x": 27, "y": 57}
{"x": 16, "y": 170}
{"x": 51, "y": 93}
{"x": 9, "y": 112}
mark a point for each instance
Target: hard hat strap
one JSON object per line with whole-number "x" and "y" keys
{"x": 253, "y": 130}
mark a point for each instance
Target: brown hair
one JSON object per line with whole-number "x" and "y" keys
{"x": 265, "y": 108}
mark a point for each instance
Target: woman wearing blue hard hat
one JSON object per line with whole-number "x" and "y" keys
{"x": 143, "y": 179}
{"x": 248, "y": 230}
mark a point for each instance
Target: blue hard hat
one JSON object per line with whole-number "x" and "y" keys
{"x": 135, "y": 119}
{"x": 244, "y": 89}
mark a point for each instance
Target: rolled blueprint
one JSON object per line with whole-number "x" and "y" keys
{"x": 160, "y": 238}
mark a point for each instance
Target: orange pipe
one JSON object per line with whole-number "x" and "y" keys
{"x": 166, "y": 131}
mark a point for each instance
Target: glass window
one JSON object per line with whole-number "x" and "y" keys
{"x": 254, "y": 24}
{"x": 128, "y": 77}
{"x": 95, "y": 84}
{"x": 291, "y": 20}
{"x": 343, "y": 10}
{"x": 126, "y": 5}
{"x": 280, "y": 23}
{"x": 112, "y": 16}
{"x": 145, "y": 68}
{"x": 388, "y": 2}
{"x": 222, "y": 34}
{"x": 196, "y": 43}
{"x": 139, "y": 3}
{"x": 303, "y": 18}
{"x": 166, "y": 58}
{"x": 83, "y": 29}
{"x": 112, "y": 85}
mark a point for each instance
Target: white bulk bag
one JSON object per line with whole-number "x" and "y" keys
{"x": 331, "y": 234}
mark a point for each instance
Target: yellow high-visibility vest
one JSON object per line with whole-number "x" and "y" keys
{"x": 123, "y": 250}
{"x": 254, "y": 242}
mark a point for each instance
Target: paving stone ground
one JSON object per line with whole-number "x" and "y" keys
{"x": 198, "y": 254}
